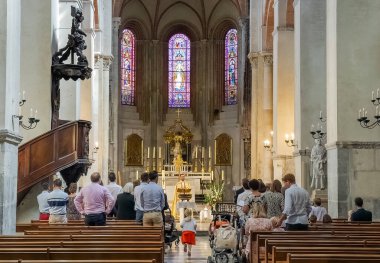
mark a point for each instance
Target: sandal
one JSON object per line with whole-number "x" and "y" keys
{"x": 185, "y": 248}
{"x": 189, "y": 253}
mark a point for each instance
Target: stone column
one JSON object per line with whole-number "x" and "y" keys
{"x": 310, "y": 79}
{"x": 115, "y": 88}
{"x": 253, "y": 58}
{"x": 353, "y": 152}
{"x": 267, "y": 118}
{"x": 10, "y": 20}
{"x": 283, "y": 91}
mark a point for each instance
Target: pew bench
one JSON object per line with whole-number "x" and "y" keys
{"x": 332, "y": 258}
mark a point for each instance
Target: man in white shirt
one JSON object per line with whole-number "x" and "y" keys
{"x": 114, "y": 189}
{"x": 137, "y": 193}
{"x": 242, "y": 196}
{"x": 42, "y": 202}
{"x": 297, "y": 205}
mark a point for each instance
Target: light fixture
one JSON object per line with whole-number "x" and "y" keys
{"x": 290, "y": 141}
{"x": 33, "y": 121}
{"x": 318, "y": 133}
{"x": 363, "y": 119}
{"x": 267, "y": 145}
{"x": 94, "y": 151}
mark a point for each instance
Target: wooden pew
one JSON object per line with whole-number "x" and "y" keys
{"x": 122, "y": 237}
{"x": 93, "y": 244}
{"x": 83, "y": 253}
{"x": 92, "y": 232}
{"x": 332, "y": 258}
{"x": 280, "y": 254}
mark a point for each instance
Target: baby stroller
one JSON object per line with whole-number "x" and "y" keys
{"x": 223, "y": 234}
{"x": 170, "y": 231}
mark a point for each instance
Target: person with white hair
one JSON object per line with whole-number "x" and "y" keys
{"x": 125, "y": 204}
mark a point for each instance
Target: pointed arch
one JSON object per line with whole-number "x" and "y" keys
{"x": 128, "y": 67}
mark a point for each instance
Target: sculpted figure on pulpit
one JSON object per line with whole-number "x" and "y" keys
{"x": 182, "y": 187}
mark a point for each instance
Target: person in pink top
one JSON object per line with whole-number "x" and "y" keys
{"x": 94, "y": 202}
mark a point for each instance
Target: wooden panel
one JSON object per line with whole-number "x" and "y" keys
{"x": 66, "y": 141}
{"x": 42, "y": 153}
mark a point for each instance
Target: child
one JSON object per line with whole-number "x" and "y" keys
{"x": 317, "y": 209}
{"x": 312, "y": 219}
{"x": 189, "y": 228}
{"x": 274, "y": 220}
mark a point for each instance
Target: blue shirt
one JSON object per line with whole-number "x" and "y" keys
{"x": 137, "y": 195}
{"x": 297, "y": 205}
{"x": 57, "y": 201}
{"x": 152, "y": 197}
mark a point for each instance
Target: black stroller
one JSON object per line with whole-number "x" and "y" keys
{"x": 170, "y": 231}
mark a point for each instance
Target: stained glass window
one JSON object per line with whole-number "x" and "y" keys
{"x": 128, "y": 68}
{"x": 231, "y": 68}
{"x": 179, "y": 71}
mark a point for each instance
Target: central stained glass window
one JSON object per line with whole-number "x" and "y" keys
{"x": 179, "y": 71}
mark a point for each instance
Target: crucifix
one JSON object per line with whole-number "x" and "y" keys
{"x": 178, "y": 112}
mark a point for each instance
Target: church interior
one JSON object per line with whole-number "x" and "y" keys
{"x": 206, "y": 93}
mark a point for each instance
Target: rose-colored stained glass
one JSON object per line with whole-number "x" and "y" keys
{"x": 128, "y": 68}
{"x": 231, "y": 68}
{"x": 179, "y": 71}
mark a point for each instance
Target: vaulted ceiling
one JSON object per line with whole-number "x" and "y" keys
{"x": 202, "y": 15}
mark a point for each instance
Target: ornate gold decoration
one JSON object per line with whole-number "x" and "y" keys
{"x": 133, "y": 150}
{"x": 176, "y": 134}
{"x": 223, "y": 145}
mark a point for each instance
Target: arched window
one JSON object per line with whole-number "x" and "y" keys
{"x": 179, "y": 71}
{"x": 231, "y": 67}
{"x": 128, "y": 68}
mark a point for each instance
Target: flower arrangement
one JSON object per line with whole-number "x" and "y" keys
{"x": 215, "y": 195}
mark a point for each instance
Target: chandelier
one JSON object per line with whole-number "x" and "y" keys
{"x": 363, "y": 119}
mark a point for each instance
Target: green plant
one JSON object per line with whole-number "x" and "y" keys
{"x": 215, "y": 195}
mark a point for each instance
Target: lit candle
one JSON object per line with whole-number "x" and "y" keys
{"x": 360, "y": 113}
{"x": 148, "y": 153}
{"x": 203, "y": 152}
{"x": 287, "y": 137}
{"x": 209, "y": 152}
{"x": 222, "y": 175}
{"x": 378, "y": 94}
{"x": 154, "y": 152}
{"x": 23, "y": 95}
{"x": 365, "y": 114}
{"x": 271, "y": 133}
{"x": 96, "y": 145}
{"x": 31, "y": 113}
{"x": 320, "y": 114}
{"x": 266, "y": 143}
{"x": 212, "y": 175}
{"x": 35, "y": 114}
{"x": 312, "y": 127}
{"x": 196, "y": 152}
{"x": 159, "y": 152}
{"x": 137, "y": 175}
{"x": 373, "y": 95}
{"x": 377, "y": 111}
{"x": 19, "y": 110}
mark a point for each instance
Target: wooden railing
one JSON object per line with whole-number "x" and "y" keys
{"x": 54, "y": 151}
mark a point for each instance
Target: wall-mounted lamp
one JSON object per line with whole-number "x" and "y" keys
{"x": 267, "y": 145}
{"x": 364, "y": 120}
{"x": 33, "y": 121}
{"x": 290, "y": 141}
{"x": 94, "y": 151}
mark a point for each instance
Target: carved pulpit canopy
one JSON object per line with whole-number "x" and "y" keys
{"x": 75, "y": 46}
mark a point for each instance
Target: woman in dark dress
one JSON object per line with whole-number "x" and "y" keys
{"x": 72, "y": 212}
{"x": 125, "y": 204}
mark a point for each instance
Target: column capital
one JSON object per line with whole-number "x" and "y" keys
{"x": 10, "y": 137}
{"x": 243, "y": 21}
{"x": 253, "y": 58}
{"x": 268, "y": 59}
{"x": 116, "y": 22}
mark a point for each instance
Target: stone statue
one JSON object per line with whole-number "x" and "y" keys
{"x": 319, "y": 159}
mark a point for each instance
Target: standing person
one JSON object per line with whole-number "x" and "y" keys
{"x": 72, "y": 212}
{"x": 152, "y": 201}
{"x": 275, "y": 200}
{"x": 361, "y": 214}
{"x": 318, "y": 210}
{"x": 189, "y": 229}
{"x": 137, "y": 194}
{"x": 125, "y": 204}
{"x": 43, "y": 205}
{"x": 297, "y": 205}
{"x": 114, "y": 189}
{"x": 94, "y": 202}
{"x": 57, "y": 201}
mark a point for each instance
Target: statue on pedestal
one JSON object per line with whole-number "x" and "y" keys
{"x": 318, "y": 158}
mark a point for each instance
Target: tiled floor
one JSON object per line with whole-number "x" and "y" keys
{"x": 199, "y": 253}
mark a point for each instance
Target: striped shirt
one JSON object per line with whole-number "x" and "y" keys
{"x": 57, "y": 200}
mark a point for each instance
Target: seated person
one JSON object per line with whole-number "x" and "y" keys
{"x": 361, "y": 214}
